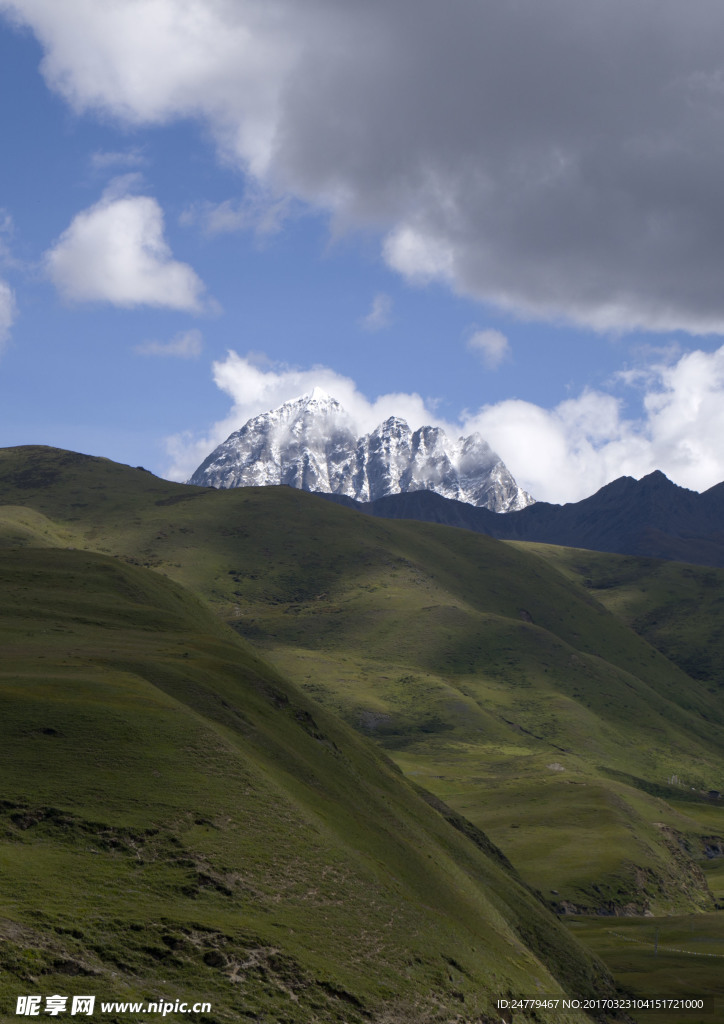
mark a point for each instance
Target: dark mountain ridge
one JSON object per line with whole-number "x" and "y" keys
{"x": 651, "y": 517}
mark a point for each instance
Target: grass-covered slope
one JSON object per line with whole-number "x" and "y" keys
{"x": 489, "y": 676}
{"x": 179, "y": 822}
{"x": 678, "y": 608}
{"x": 517, "y": 699}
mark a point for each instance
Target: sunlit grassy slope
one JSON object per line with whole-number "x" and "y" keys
{"x": 178, "y": 821}
{"x": 490, "y": 677}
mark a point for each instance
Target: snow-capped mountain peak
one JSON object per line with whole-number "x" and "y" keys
{"x": 310, "y": 443}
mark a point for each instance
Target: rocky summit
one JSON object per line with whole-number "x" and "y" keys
{"x": 310, "y": 443}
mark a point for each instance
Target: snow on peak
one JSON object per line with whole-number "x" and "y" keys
{"x": 309, "y": 442}
{"x": 317, "y": 394}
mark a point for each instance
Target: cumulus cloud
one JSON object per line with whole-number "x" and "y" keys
{"x": 491, "y": 346}
{"x": 561, "y": 160}
{"x": 380, "y": 314}
{"x": 224, "y": 61}
{"x": 7, "y": 311}
{"x": 561, "y": 454}
{"x": 186, "y": 345}
{"x": 116, "y": 252}
{"x": 568, "y": 452}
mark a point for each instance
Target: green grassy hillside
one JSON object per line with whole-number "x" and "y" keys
{"x": 179, "y": 822}
{"x": 491, "y": 678}
{"x": 489, "y": 672}
{"x": 678, "y": 608}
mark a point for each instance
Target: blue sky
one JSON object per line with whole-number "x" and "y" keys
{"x": 455, "y": 221}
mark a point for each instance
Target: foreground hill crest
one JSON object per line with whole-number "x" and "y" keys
{"x": 310, "y": 443}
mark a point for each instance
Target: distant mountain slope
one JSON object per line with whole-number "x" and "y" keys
{"x": 651, "y": 517}
{"x": 309, "y": 443}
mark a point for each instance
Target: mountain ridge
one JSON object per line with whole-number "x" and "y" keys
{"x": 651, "y": 517}
{"x": 310, "y": 443}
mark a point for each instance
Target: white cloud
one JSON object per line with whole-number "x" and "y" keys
{"x": 561, "y": 454}
{"x": 419, "y": 257}
{"x": 562, "y": 161}
{"x": 255, "y": 386}
{"x": 491, "y": 346}
{"x": 380, "y": 314}
{"x": 149, "y": 62}
{"x": 565, "y": 454}
{"x": 7, "y": 311}
{"x": 687, "y": 417}
{"x": 186, "y": 345}
{"x": 568, "y": 452}
{"x": 116, "y": 252}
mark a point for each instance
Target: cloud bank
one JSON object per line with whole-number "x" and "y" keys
{"x": 560, "y": 160}
{"x": 116, "y": 252}
{"x": 558, "y": 455}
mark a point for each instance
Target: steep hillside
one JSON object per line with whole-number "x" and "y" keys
{"x": 178, "y": 822}
{"x": 488, "y": 676}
